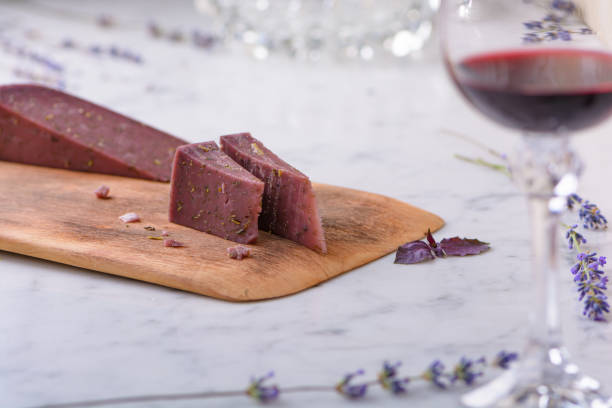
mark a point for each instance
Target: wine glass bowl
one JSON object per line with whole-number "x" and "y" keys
{"x": 551, "y": 90}
{"x": 548, "y": 82}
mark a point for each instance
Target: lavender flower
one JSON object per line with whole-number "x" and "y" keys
{"x": 258, "y": 391}
{"x": 503, "y": 359}
{"x": 176, "y": 36}
{"x": 95, "y": 49}
{"x": 352, "y": 391}
{"x": 595, "y": 307}
{"x": 533, "y": 25}
{"x": 68, "y": 43}
{"x": 154, "y": 29}
{"x": 586, "y": 31}
{"x": 564, "y": 5}
{"x": 574, "y": 238}
{"x": 588, "y": 266}
{"x": 572, "y": 200}
{"x": 531, "y": 38}
{"x": 435, "y": 374}
{"x": 564, "y": 35}
{"x": 468, "y": 370}
{"x": 105, "y": 21}
{"x": 591, "y": 216}
{"x": 388, "y": 378}
{"x": 99, "y": 50}
{"x": 57, "y": 83}
{"x": 552, "y": 17}
{"x": 551, "y": 35}
{"x": 202, "y": 40}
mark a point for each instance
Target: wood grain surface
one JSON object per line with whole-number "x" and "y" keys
{"x": 53, "y": 214}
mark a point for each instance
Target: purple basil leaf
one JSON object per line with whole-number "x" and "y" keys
{"x": 463, "y": 246}
{"x": 430, "y": 239}
{"x": 413, "y": 252}
{"x": 435, "y": 248}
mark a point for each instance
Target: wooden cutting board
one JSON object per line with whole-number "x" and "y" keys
{"x": 53, "y": 214}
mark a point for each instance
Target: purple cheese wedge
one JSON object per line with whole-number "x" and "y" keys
{"x": 289, "y": 204}
{"x": 45, "y": 127}
{"x": 212, "y": 193}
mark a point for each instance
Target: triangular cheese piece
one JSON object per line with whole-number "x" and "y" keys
{"x": 45, "y": 127}
{"x": 289, "y": 204}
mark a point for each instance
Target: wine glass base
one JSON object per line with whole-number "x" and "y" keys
{"x": 549, "y": 381}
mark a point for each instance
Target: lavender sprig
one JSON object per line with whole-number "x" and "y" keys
{"x": 592, "y": 285}
{"x": 551, "y": 27}
{"x": 52, "y": 71}
{"x": 112, "y": 51}
{"x": 198, "y": 38}
{"x": 466, "y": 370}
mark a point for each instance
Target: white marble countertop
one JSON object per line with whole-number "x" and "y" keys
{"x": 71, "y": 334}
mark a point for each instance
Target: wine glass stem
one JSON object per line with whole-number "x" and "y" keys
{"x": 545, "y": 324}
{"x": 546, "y": 169}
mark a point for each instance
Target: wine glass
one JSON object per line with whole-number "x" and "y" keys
{"x": 547, "y": 79}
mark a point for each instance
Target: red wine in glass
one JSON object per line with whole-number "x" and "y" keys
{"x": 539, "y": 90}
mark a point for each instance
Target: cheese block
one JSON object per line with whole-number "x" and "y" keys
{"x": 210, "y": 192}
{"x": 46, "y": 127}
{"x": 289, "y": 207}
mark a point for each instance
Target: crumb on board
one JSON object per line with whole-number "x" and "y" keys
{"x": 102, "y": 192}
{"x": 172, "y": 243}
{"x": 238, "y": 252}
{"x": 130, "y": 217}
{"x": 149, "y": 228}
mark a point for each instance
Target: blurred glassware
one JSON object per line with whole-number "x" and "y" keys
{"x": 312, "y": 29}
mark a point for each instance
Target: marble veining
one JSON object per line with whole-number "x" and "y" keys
{"x": 69, "y": 334}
